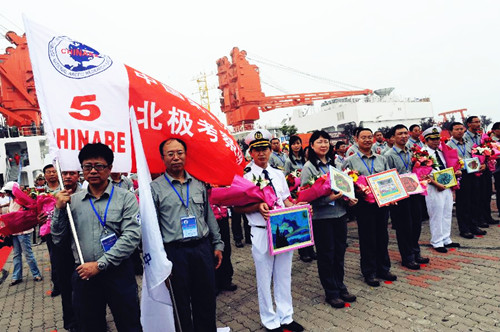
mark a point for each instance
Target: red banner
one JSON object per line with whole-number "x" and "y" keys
{"x": 212, "y": 153}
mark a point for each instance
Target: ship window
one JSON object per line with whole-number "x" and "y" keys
{"x": 340, "y": 116}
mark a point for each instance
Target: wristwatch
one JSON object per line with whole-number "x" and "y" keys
{"x": 101, "y": 266}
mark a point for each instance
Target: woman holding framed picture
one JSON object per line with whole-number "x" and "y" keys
{"x": 329, "y": 224}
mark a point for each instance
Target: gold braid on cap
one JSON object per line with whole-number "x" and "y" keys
{"x": 262, "y": 142}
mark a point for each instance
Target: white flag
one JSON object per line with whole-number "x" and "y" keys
{"x": 83, "y": 97}
{"x": 156, "y": 304}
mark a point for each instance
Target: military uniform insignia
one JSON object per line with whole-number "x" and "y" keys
{"x": 246, "y": 170}
{"x": 258, "y": 135}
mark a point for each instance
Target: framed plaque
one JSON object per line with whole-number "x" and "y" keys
{"x": 472, "y": 165}
{"x": 446, "y": 177}
{"x": 342, "y": 182}
{"x": 387, "y": 187}
{"x": 411, "y": 183}
{"x": 290, "y": 229}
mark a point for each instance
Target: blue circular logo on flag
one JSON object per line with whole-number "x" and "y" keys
{"x": 76, "y": 60}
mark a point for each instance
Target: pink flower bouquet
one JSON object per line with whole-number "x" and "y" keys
{"x": 319, "y": 188}
{"x": 422, "y": 162}
{"x": 242, "y": 192}
{"x": 23, "y": 220}
{"x": 362, "y": 186}
{"x": 451, "y": 157}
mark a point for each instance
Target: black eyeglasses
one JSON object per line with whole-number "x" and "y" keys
{"x": 97, "y": 167}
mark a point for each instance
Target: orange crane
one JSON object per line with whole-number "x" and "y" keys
{"x": 18, "y": 103}
{"x": 461, "y": 111}
{"x": 242, "y": 95}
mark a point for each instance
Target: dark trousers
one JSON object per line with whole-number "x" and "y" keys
{"x": 54, "y": 275}
{"x": 306, "y": 252}
{"x": 485, "y": 192}
{"x": 464, "y": 200}
{"x": 373, "y": 239}
{"x": 115, "y": 287}
{"x": 236, "y": 227}
{"x": 407, "y": 220}
{"x": 224, "y": 274}
{"x": 496, "y": 176}
{"x": 330, "y": 236}
{"x": 64, "y": 263}
{"x": 193, "y": 284}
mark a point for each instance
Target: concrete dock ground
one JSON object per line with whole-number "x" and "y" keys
{"x": 456, "y": 291}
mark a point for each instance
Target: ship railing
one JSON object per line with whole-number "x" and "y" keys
{"x": 14, "y": 131}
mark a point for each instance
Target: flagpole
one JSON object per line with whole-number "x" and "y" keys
{"x": 70, "y": 216}
{"x": 174, "y": 305}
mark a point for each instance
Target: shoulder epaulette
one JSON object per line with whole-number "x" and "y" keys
{"x": 246, "y": 170}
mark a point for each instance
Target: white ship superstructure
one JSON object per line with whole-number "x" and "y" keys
{"x": 374, "y": 111}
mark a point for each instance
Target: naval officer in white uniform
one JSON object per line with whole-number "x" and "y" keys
{"x": 269, "y": 269}
{"x": 439, "y": 199}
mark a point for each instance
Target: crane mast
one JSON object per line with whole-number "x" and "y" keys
{"x": 242, "y": 96}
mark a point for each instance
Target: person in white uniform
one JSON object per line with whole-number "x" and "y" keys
{"x": 439, "y": 199}
{"x": 269, "y": 269}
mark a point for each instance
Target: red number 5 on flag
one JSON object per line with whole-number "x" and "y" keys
{"x": 78, "y": 104}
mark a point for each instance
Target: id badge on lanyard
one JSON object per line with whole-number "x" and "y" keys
{"x": 107, "y": 240}
{"x": 188, "y": 223}
{"x": 189, "y": 227}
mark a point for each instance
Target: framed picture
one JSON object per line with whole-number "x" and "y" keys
{"x": 290, "y": 229}
{"x": 446, "y": 177}
{"x": 411, "y": 183}
{"x": 472, "y": 165}
{"x": 342, "y": 182}
{"x": 387, "y": 187}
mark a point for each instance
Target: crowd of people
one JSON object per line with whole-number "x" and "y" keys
{"x": 99, "y": 270}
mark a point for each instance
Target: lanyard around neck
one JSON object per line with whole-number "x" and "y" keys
{"x": 279, "y": 157}
{"x": 473, "y": 138}
{"x": 186, "y": 205}
{"x": 103, "y": 222}
{"x": 322, "y": 170}
{"x": 462, "y": 151}
{"x": 370, "y": 170}
{"x": 407, "y": 164}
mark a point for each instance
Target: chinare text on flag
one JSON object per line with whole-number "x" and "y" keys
{"x": 75, "y": 139}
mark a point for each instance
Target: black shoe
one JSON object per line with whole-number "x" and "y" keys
{"x": 239, "y": 244}
{"x": 442, "y": 250}
{"x": 293, "y": 326}
{"x": 4, "y": 276}
{"x": 314, "y": 255}
{"x": 371, "y": 281}
{"x": 278, "y": 329}
{"x": 306, "y": 259}
{"x": 422, "y": 260}
{"x": 412, "y": 265}
{"x": 387, "y": 276}
{"x": 230, "y": 288}
{"x": 248, "y": 241}
{"x": 483, "y": 225}
{"x": 452, "y": 245}
{"x": 15, "y": 282}
{"x": 336, "y": 302}
{"x": 347, "y": 297}
{"x": 55, "y": 292}
{"x": 493, "y": 221}
{"x": 478, "y": 231}
{"x": 467, "y": 235}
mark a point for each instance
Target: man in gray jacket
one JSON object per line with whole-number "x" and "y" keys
{"x": 107, "y": 225}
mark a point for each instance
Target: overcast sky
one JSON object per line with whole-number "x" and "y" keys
{"x": 447, "y": 50}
